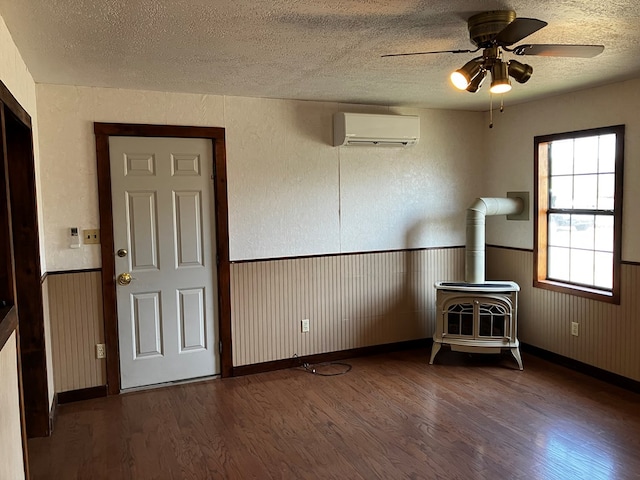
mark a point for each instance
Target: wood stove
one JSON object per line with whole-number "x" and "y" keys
{"x": 477, "y": 317}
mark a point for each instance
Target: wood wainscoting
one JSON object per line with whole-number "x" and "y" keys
{"x": 75, "y": 308}
{"x": 608, "y": 334}
{"x": 352, "y": 301}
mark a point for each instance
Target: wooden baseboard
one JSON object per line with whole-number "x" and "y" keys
{"x": 600, "y": 374}
{"x": 82, "y": 394}
{"x": 330, "y": 356}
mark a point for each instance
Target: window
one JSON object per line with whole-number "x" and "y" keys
{"x": 579, "y": 203}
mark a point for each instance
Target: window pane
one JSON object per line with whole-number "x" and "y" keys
{"x": 582, "y": 228}
{"x": 581, "y": 267}
{"x": 604, "y": 233}
{"x": 559, "y": 233}
{"x": 606, "y": 191}
{"x": 561, "y": 192}
{"x": 607, "y": 153}
{"x": 586, "y": 155}
{"x": 603, "y": 270}
{"x": 585, "y": 194}
{"x": 562, "y": 157}
{"x": 558, "y": 263}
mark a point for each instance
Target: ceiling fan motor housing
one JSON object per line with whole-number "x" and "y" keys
{"x": 484, "y": 26}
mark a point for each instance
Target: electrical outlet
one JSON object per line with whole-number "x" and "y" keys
{"x": 574, "y": 328}
{"x": 101, "y": 351}
{"x": 305, "y": 325}
{"x": 91, "y": 236}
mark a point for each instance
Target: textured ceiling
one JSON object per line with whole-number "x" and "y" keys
{"x": 306, "y": 49}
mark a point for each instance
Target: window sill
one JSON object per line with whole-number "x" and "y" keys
{"x": 578, "y": 291}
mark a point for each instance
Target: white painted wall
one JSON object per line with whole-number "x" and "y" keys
{"x": 510, "y": 153}
{"x": 68, "y": 158}
{"x": 15, "y": 75}
{"x": 414, "y": 197}
{"x": 291, "y": 193}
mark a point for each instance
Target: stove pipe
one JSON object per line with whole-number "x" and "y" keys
{"x": 476, "y": 213}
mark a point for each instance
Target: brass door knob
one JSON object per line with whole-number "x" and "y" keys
{"x": 122, "y": 252}
{"x": 124, "y": 279}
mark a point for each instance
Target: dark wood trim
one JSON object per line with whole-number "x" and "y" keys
{"x": 344, "y": 254}
{"x": 69, "y": 272}
{"x": 108, "y": 263}
{"x": 12, "y": 104}
{"x": 627, "y": 262}
{"x": 600, "y": 374}
{"x": 217, "y": 135}
{"x": 561, "y": 360}
{"x": 541, "y": 207}
{"x": 9, "y": 321}
{"x": 152, "y": 130}
{"x": 7, "y": 286}
{"x": 82, "y": 394}
{"x": 618, "y": 206}
{"x": 222, "y": 242}
{"x": 8, "y": 324}
{"x": 516, "y": 249}
{"x": 7, "y": 268}
{"x": 332, "y": 356}
{"x": 28, "y": 286}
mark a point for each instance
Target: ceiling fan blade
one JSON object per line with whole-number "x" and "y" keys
{"x": 428, "y": 53}
{"x": 518, "y": 29}
{"x": 550, "y": 50}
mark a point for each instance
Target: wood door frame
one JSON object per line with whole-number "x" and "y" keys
{"x": 217, "y": 135}
{"x": 23, "y": 275}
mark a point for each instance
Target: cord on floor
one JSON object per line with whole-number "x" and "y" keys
{"x": 314, "y": 369}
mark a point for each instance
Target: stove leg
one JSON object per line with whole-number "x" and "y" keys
{"x": 434, "y": 351}
{"x": 515, "y": 351}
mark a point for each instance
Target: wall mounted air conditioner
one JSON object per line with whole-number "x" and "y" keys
{"x": 375, "y": 130}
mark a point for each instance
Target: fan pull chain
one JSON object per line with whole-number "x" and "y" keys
{"x": 490, "y": 110}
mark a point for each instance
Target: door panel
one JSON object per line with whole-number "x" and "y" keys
{"x": 192, "y": 319}
{"x": 147, "y": 324}
{"x": 162, "y": 194}
{"x": 187, "y": 207}
{"x": 142, "y": 225}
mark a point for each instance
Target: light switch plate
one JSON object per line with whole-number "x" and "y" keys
{"x": 91, "y": 237}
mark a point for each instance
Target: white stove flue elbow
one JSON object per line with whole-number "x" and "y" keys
{"x": 475, "y": 243}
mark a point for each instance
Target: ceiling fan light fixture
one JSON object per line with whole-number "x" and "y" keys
{"x": 477, "y": 82}
{"x": 520, "y": 72}
{"x": 500, "y": 77}
{"x": 463, "y": 77}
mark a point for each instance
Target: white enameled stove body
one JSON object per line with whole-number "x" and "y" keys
{"x": 477, "y": 317}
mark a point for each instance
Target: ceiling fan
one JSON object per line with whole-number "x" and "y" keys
{"x": 494, "y": 32}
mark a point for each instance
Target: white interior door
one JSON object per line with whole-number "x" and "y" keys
{"x": 162, "y": 193}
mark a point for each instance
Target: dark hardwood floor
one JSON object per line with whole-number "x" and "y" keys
{"x": 392, "y": 416}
